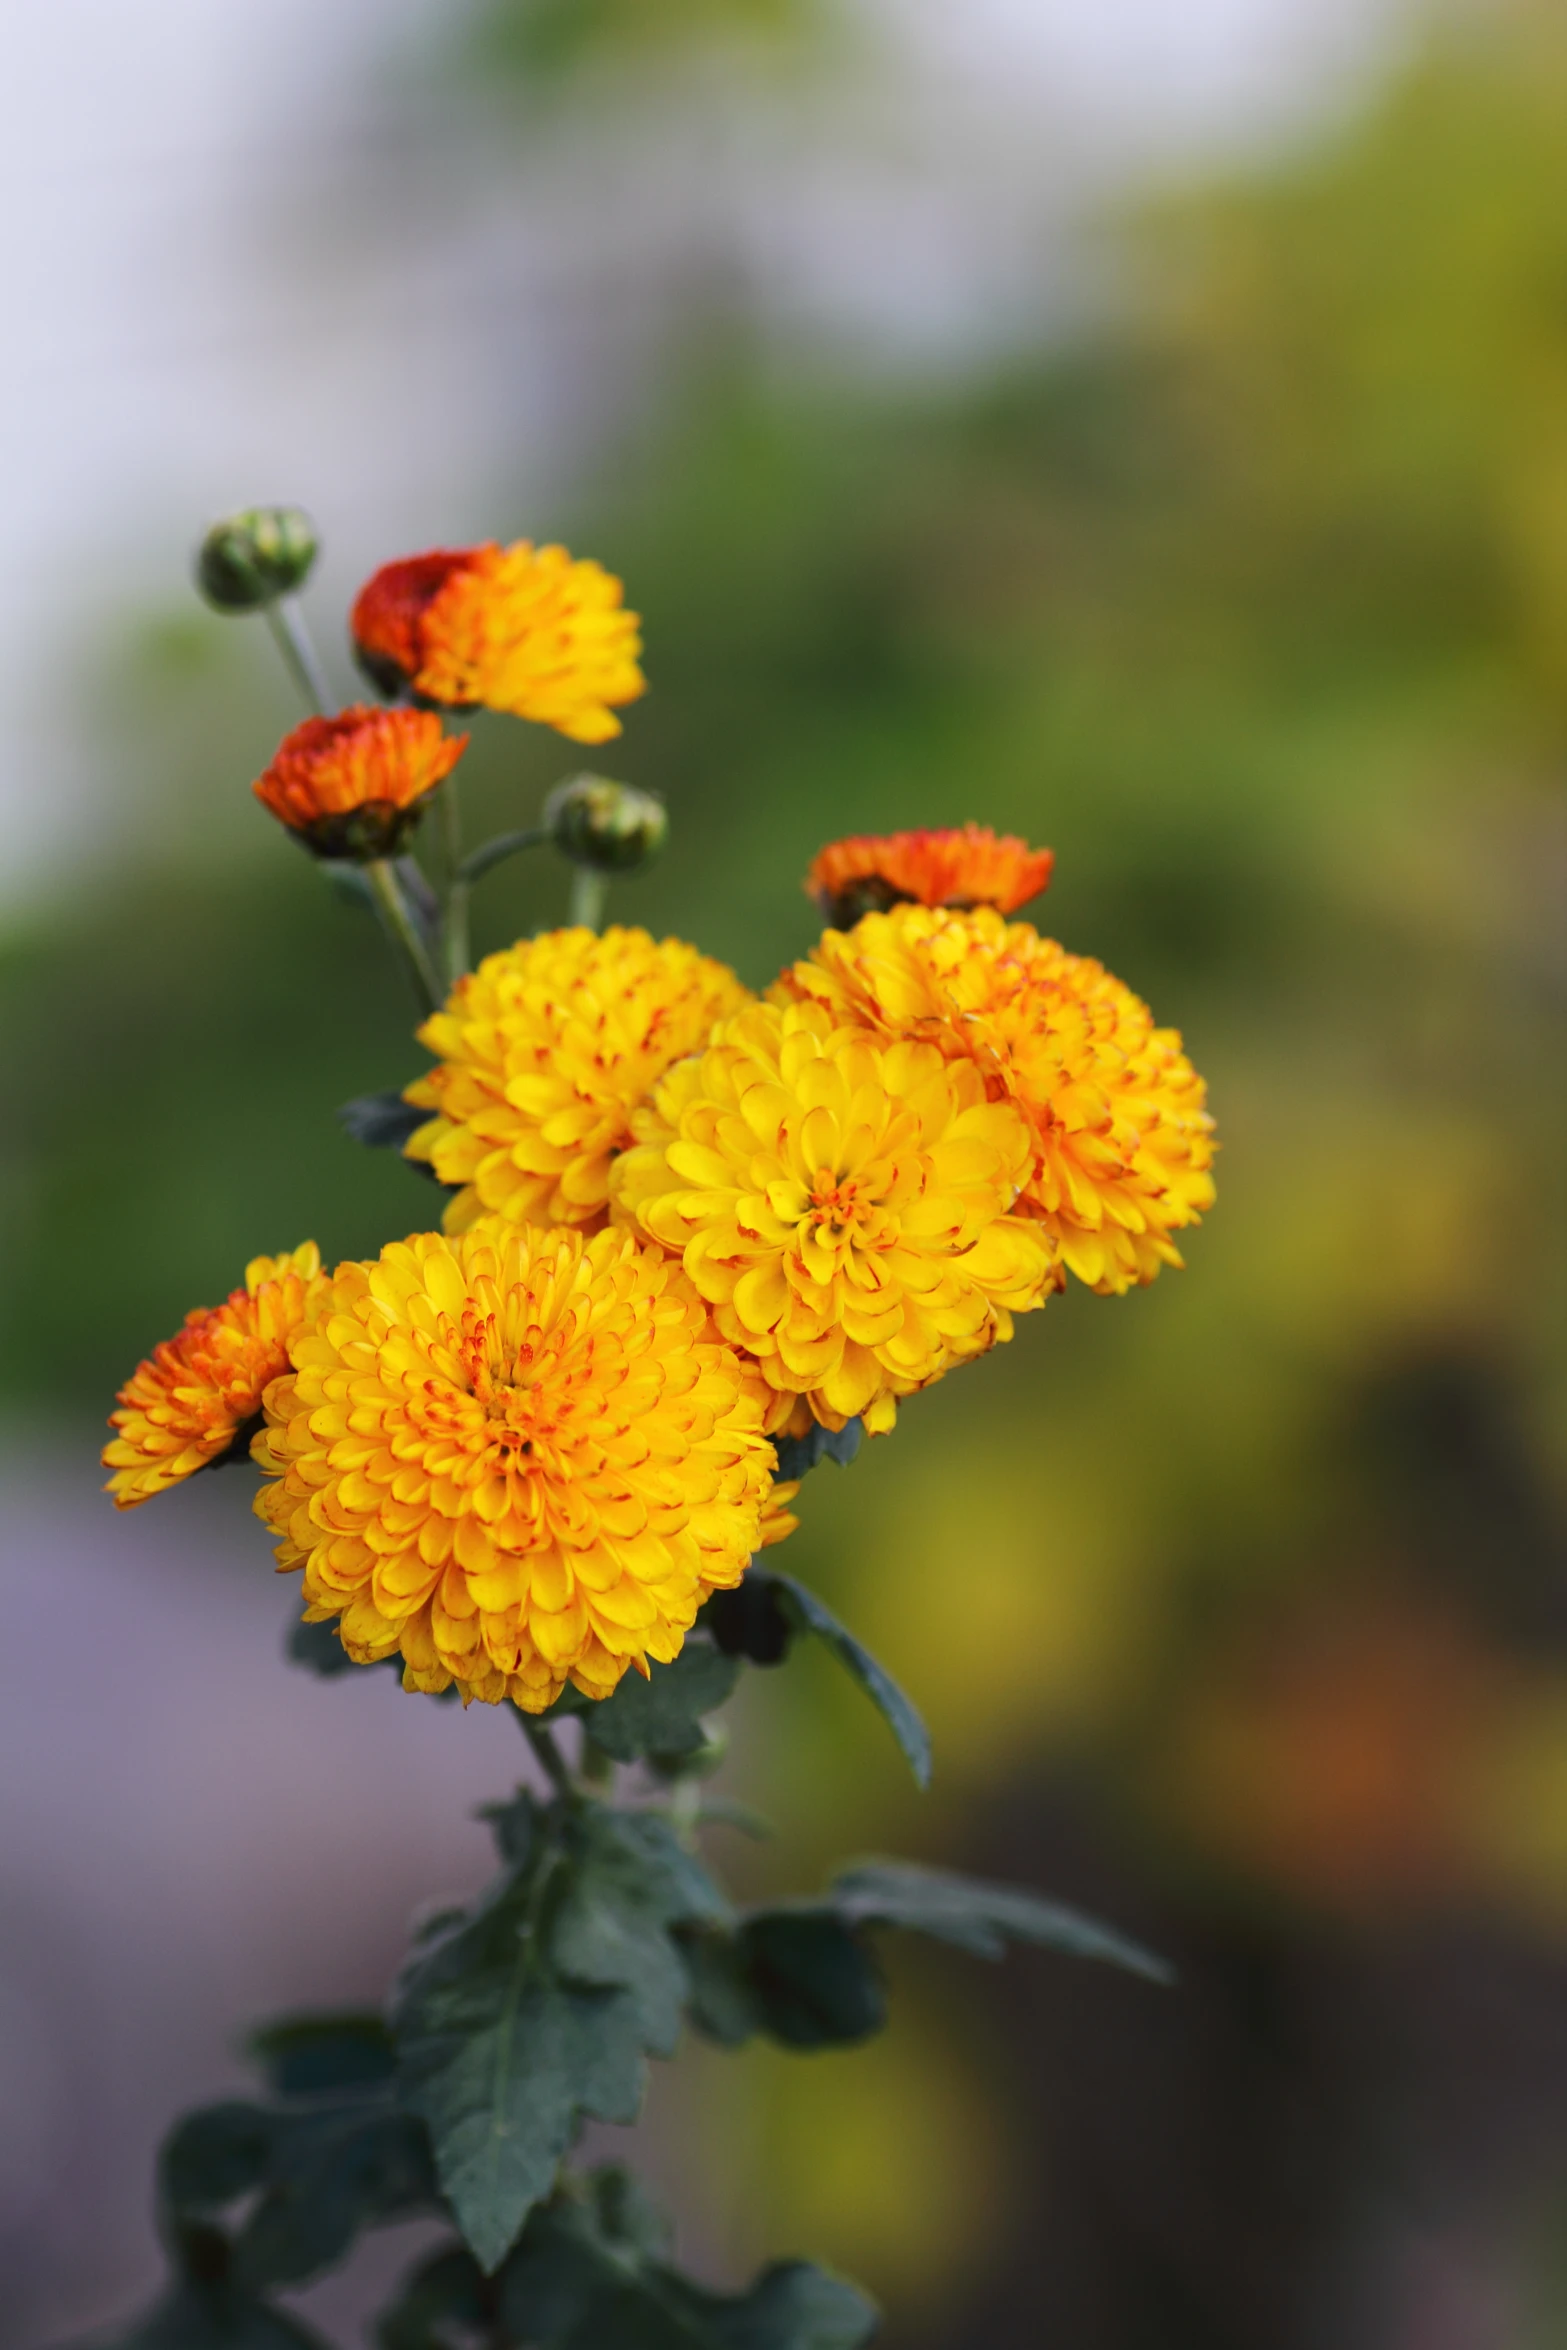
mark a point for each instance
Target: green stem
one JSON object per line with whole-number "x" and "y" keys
{"x": 291, "y": 635}
{"x": 404, "y": 930}
{"x": 458, "y": 953}
{"x": 588, "y": 893}
{"x": 596, "y": 1768}
{"x": 550, "y": 1758}
{"x": 505, "y": 844}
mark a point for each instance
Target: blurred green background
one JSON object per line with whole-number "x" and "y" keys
{"x": 1238, "y": 1607}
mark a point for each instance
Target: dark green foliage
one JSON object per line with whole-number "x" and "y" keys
{"x": 310, "y": 2179}
{"x": 799, "y": 1976}
{"x": 211, "y": 2313}
{"x": 383, "y": 1122}
{"x": 802, "y": 1974}
{"x": 661, "y": 1715}
{"x": 539, "y": 2007}
{"x": 588, "y": 2274}
{"x": 797, "y": 1454}
{"x": 980, "y": 1918}
{"x": 316, "y": 2055}
{"x": 751, "y": 1620}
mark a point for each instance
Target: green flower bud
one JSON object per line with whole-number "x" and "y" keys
{"x": 250, "y": 559}
{"x": 608, "y": 826}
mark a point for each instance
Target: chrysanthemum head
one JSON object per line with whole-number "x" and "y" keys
{"x": 545, "y": 1052}
{"x": 355, "y": 785}
{"x": 843, "y": 1203}
{"x": 196, "y": 1400}
{"x": 1121, "y": 1144}
{"x": 519, "y": 1458}
{"x": 521, "y": 628}
{"x": 968, "y": 866}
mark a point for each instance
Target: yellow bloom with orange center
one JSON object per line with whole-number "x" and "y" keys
{"x": 842, "y": 1201}
{"x": 188, "y": 1404}
{"x": 520, "y": 1457}
{"x": 966, "y": 866}
{"x": 1122, "y": 1142}
{"x": 355, "y": 785}
{"x": 546, "y": 1050}
{"x": 521, "y": 628}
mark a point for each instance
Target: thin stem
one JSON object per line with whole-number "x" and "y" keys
{"x": 595, "y": 1767}
{"x": 505, "y": 844}
{"x": 286, "y": 620}
{"x": 458, "y": 954}
{"x": 403, "y": 929}
{"x": 549, "y": 1756}
{"x": 588, "y": 893}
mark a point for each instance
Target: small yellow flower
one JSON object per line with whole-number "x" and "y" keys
{"x": 520, "y": 1457}
{"x": 842, "y": 1202}
{"x": 545, "y": 1052}
{"x": 187, "y": 1405}
{"x": 1122, "y": 1144}
{"x": 518, "y": 628}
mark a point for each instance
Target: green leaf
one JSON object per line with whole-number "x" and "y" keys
{"x": 663, "y": 1714}
{"x": 381, "y": 1121}
{"x": 333, "y": 2174}
{"x": 799, "y": 1454}
{"x": 316, "y": 2055}
{"x": 630, "y": 1881}
{"x": 813, "y": 1615}
{"x": 583, "y": 2280}
{"x": 797, "y": 1974}
{"x": 212, "y": 2317}
{"x": 980, "y": 1917}
{"x": 540, "y": 2006}
{"x": 444, "y": 2293}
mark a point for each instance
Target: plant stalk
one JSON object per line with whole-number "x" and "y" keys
{"x": 588, "y": 893}
{"x": 404, "y": 930}
{"x": 455, "y": 928}
{"x": 291, "y": 635}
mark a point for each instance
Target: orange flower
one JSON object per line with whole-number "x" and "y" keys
{"x": 520, "y": 628}
{"x": 971, "y": 866}
{"x": 188, "y": 1405}
{"x": 355, "y": 785}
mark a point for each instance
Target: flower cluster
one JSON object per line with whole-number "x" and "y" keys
{"x": 684, "y": 1222}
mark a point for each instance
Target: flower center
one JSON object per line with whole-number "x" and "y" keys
{"x": 502, "y": 1381}
{"x": 835, "y": 1204}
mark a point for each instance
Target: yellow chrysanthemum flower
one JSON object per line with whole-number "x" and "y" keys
{"x": 1122, "y": 1144}
{"x": 186, "y": 1406}
{"x": 519, "y": 628}
{"x": 842, "y": 1203}
{"x": 520, "y": 1457}
{"x": 545, "y": 1052}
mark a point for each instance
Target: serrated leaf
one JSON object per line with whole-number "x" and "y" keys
{"x": 981, "y": 1917}
{"x": 316, "y": 2055}
{"x": 539, "y": 2009}
{"x": 629, "y": 1881}
{"x": 663, "y": 1714}
{"x": 381, "y": 1121}
{"x": 898, "y": 1711}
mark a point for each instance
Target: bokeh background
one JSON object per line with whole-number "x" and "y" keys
{"x": 1142, "y": 427}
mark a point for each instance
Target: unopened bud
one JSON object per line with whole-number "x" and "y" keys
{"x": 608, "y": 826}
{"x": 251, "y": 559}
